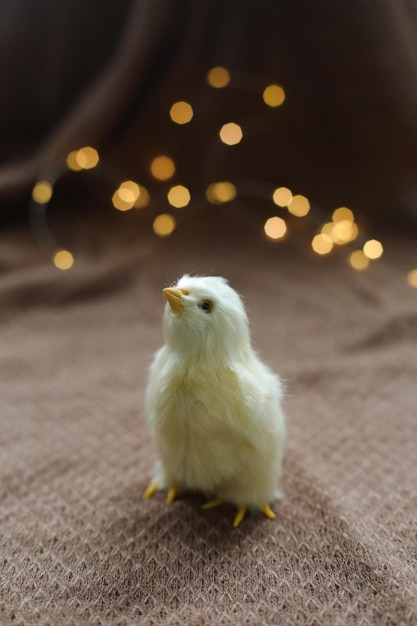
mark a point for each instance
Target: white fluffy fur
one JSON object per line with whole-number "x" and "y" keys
{"x": 214, "y": 408}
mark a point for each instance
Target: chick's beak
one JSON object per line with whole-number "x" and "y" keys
{"x": 174, "y": 297}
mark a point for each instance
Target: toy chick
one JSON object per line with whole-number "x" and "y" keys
{"x": 214, "y": 407}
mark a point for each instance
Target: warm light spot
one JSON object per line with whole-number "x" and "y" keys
{"x": 72, "y": 162}
{"x": 162, "y": 168}
{"x": 42, "y": 192}
{"x": 358, "y": 260}
{"x": 218, "y": 77}
{"x": 373, "y": 249}
{"x": 130, "y": 189}
{"x": 343, "y": 232}
{"x": 143, "y": 198}
{"x": 87, "y": 158}
{"x": 231, "y": 133}
{"x": 322, "y": 244}
{"x": 273, "y": 95}
{"x": 178, "y": 196}
{"x": 343, "y": 214}
{"x": 63, "y": 260}
{"x": 412, "y": 278}
{"x": 282, "y": 196}
{"x": 299, "y": 206}
{"x": 164, "y": 224}
{"x": 123, "y": 200}
{"x": 83, "y": 159}
{"x": 224, "y": 191}
{"x": 181, "y": 112}
{"x": 275, "y": 227}
{"x": 130, "y": 195}
{"x": 327, "y": 229}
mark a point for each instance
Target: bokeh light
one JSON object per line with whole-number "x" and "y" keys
{"x": 358, "y": 260}
{"x": 322, "y": 244}
{"x": 220, "y": 192}
{"x": 218, "y": 77}
{"x": 273, "y": 95}
{"x": 164, "y": 224}
{"x": 231, "y": 133}
{"x": 129, "y": 195}
{"x": 181, "y": 112}
{"x": 299, "y": 206}
{"x": 412, "y": 278}
{"x": 162, "y": 167}
{"x": 63, "y": 259}
{"x": 42, "y": 192}
{"x": 143, "y": 198}
{"x": 178, "y": 196}
{"x": 373, "y": 249}
{"x": 282, "y": 196}
{"x": 275, "y": 227}
{"x": 83, "y": 159}
{"x": 343, "y": 214}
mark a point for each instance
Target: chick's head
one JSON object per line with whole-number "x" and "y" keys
{"x": 204, "y": 316}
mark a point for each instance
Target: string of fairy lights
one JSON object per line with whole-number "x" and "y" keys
{"x": 341, "y": 229}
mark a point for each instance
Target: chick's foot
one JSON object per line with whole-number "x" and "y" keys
{"x": 172, "y": 494}
{"x": 241, "y": 512}
{"x": 151, "y": 490}
{"x": 267, "y": 511}
{"x": 212, "y": 504}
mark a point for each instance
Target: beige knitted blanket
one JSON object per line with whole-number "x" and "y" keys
{"x": 79, "y": 545}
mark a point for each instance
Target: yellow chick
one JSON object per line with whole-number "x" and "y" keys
{"x": 214, "y": 408}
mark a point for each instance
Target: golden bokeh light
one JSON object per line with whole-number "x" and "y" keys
{"x": 129, "y": 190}
{"x": 42, "y": 192}
{"x": 143, "y": 198}
{"x": 123, "y": 200}
{"x": 343, "y": 232}
{"x": 63, "y": 259}
{"x": 322, "y": 244}
{"x": 220, "y": 192}
{"x": 178, "y": 196}
{"x": 83, "y": 159}
{"x": 231, "y": 133}
{"x": 358, "y": 260}
{"x": 343, "y": 214}
{"x": 282, "y": 196}
{"x": 299, "y": 206}
{"x": 275, "y": 227}
{"x": 129, "y": 195}
{"x": 273, "y": 95}
{"x": 218, "y": 77}
{"x": 162, "y": 167}
{"x": 373, "y": 249}
{"x": 181, "y": 112}
{"x": 164, "y": 224}
{"x": 412, "y": 278}
{"x": 72, "y": 162}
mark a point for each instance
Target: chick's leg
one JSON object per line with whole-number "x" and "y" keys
{"x": 267, "y": 511}
{"x": 151, "y": 490}
{"x": 241, "y": 512}
{"x": 212, "y": 504}
{"x": 171, "y": 495}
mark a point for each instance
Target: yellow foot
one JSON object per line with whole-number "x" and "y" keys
{"x": 172, "y": 494}
{"x": 212, "y": 504}
{"x": 241, "y": 512}
{"x": 151, "y": 490}
{"x": 268, "y": 512}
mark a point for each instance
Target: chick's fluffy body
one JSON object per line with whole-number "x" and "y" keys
{"x": 214, "y": 408}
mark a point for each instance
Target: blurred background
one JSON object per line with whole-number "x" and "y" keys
{"x": 120, "y": 120}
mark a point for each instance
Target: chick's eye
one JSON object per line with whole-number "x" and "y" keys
{"x": 206, "y": 306}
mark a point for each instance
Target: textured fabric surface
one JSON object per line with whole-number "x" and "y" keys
{"x": 79, "y": 545}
